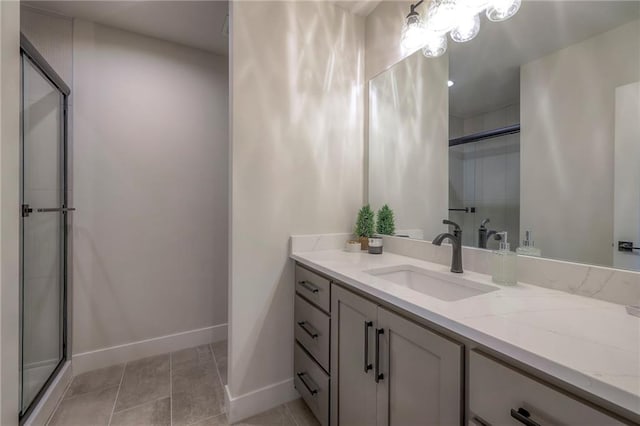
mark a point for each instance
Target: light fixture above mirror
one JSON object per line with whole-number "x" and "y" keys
{"x": 458, "y": 18}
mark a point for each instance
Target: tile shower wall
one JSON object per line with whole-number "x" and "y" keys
{"x": 486, "y": 175}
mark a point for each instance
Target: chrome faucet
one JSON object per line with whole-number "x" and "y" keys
{"x": 482, "y": 234}
{"x": 456, "y": 245}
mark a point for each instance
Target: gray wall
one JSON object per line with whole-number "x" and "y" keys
{"x": 150, "y": 185}
{"x": 567, "y": 144}
{"x": 10, "y": 202}
{"x": 408, "y": 143}
{"x": 149, "y": 179}
{"x": 297, "y": 138}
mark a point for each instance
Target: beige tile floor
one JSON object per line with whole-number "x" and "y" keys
{"x": 179, "y": 388}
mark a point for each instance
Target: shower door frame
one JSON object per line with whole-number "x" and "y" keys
{"x": 30, "y": 53}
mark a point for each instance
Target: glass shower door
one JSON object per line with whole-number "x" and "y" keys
{"x": 43, "y": 284}
{"x": 484, "y": 185}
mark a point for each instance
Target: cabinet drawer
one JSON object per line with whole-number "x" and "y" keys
{"x": 312, "y": 383}
{"x": 313, "y": 287}
{"x": 497, "y": 392}
{"x": 312, "y": 330}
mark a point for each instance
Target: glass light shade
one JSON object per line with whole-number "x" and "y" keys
{"x": 501, "y": 10}
{"x": 435, "y": 45}
{"x": 443, "y": 16}
{"x": 467, "y": 29}
{"x": 413, "y": 33}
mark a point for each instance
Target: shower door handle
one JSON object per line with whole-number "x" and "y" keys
{"x": 27, "y": 210}
{"x": 56, "y": 209}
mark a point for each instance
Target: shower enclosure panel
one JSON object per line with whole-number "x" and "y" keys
{"x": 43, "y": 331}
{"x": 484, "y": 183}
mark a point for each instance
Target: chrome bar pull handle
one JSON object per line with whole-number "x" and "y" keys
{"x": 523, "y": 416}
{"x": 309, "y": 286}
{"x": 378, "y": 375}
{"x": 367, "y": 365}
{"x": 313, "y": 389}
{"x": 308, "y": 329}
{"x": 479, "y": 422}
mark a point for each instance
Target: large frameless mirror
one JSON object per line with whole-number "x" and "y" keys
{"x": 531, "y": 128}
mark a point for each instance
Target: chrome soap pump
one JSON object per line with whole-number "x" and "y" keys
{"x": 528, "y": 247}
{"x": 504, "y": 264}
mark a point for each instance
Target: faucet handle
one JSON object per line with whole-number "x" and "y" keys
{"x": 448, "y": 222}
{"x": 484, "y": 222}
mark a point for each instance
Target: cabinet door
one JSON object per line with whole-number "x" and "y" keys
{"x": 353, "y": 388}
{"x": 421, "y": 375}
{"x": 498, "y": 393}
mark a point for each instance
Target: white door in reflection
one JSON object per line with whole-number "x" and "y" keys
{"x": 43, "y": 240}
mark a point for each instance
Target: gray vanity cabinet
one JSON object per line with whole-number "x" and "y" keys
{"x": 353, "y": 390}
{"x": 388, "y": 370}
{"x": 422, "y": 374}
{"x": 312, "y": 334}
{"x": 501, "y": 395}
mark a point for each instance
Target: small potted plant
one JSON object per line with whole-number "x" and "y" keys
{"x": 365, "y": 226}
{"x": 386, "y": 223}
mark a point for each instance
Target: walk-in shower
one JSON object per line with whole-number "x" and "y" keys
{"x": 484, "y": 185}
{"x": 43, "y": 278}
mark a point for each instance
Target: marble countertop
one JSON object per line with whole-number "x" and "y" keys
{"x": 591, "y": 344}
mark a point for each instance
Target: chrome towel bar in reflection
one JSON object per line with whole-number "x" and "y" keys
{"x": 466, "y": 210}
{"x": 57, "y": 209}
{"x": 26, "y": 210}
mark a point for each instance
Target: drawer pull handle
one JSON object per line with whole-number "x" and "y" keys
{"x": 478, "y": 421}
{"x": 309, "y": 286}
{"x": 311, "y": 389}
{"x": 523, "y": 416}
{"x": 367, "y": 365}
{"x": 378, "y": 374}
{"x": 308, "y": 329}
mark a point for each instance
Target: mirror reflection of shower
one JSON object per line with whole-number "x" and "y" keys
{"x": 484, "y": 176}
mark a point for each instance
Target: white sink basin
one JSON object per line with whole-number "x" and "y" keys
{"x": 447, "y": 287}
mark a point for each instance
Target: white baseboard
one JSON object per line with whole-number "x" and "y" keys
{"x": 252, "y": 403}
{"x": 49, "y": 401}
{"x": 45, "y": 363}
{"x": 100, "y": 358}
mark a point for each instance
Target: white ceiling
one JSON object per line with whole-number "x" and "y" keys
{"x": 486, "y": 69}
{"x": 192, "y": 23}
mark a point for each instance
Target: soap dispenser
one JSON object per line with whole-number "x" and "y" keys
{"x": 528, "y": 247}
{"x": 504, "y": 263}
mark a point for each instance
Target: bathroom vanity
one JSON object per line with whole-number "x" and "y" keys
{"x": 395, "y": 340}
{"x": 519, "y": 133}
